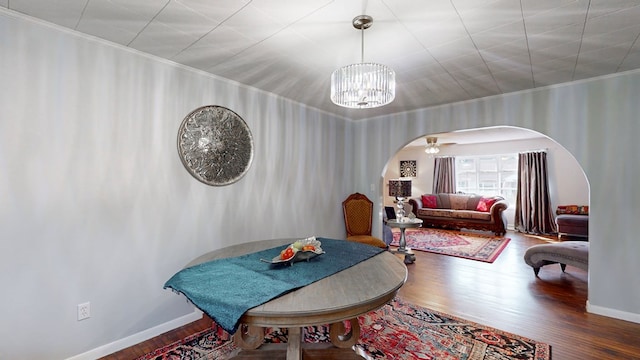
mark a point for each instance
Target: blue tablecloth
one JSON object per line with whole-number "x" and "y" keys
{"x": 225, "y": 289}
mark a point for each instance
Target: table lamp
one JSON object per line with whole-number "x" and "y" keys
{"x": 401, "y": 189}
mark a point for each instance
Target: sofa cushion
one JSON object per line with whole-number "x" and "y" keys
{"x": 471, "y": 214}
{"x": 473, "y": 201}
{"x": 426, "y": 212}
{"x": 485, "y": 204}
{"x": 430, "y": 201}
{"x": 454, "y": 214}
{"x": 458, "y": 202}
{"x": 443, "y": 201}
{"x": 368, "y": 240}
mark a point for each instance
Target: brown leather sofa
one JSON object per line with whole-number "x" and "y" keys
{"x": 461, "y": 211}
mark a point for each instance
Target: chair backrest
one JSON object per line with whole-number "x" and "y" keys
{"x": 358, "y": 213}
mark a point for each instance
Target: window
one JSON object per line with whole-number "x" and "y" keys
{"x": 488, "y": 175}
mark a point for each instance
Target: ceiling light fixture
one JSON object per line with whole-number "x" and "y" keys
{"x": 363, "y": 85}
{"x": 432, "y": 146}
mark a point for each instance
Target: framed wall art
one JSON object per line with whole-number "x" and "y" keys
{"x": 408, "y": 168}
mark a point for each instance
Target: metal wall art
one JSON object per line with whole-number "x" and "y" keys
{"x": 215, "y": 145}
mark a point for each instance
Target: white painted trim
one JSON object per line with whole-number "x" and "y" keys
{"x": 137, "y": 338}
{"x": 613, "y": 313}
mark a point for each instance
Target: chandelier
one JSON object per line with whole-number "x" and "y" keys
{"x": 432, "y": 146}
{"x": 363, "y": 85}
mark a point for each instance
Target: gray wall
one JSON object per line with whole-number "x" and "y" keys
{"x": 95, "y": 204}
{"x": 596, "y": 120}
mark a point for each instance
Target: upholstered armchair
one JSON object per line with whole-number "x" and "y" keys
{"x": 358, "y": 214}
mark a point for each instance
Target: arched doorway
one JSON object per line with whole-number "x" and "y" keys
{"x": 568, "y": 182}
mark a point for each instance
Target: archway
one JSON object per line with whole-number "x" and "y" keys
{"x": 568, "y": 182}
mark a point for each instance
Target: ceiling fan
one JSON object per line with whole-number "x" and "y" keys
{"x": 432, "y": 147}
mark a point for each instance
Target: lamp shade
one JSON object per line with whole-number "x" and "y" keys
{"x": 400, "y": 188}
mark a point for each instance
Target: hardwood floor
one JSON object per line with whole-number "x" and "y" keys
{"x": 505, "y": 295}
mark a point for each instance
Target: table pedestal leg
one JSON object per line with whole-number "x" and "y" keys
{"x": 409, "y": 256}
{"x": 403, "y": 241}
{"x": 246, "y": 339}
{"x": 294, "y": 344}
{"x": 341, "y": 339}
{"x": 249, "y": 337}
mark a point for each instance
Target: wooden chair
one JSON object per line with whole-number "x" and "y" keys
{"x": 358, "y": 214}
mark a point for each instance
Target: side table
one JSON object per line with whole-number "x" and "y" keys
{"x": 403, "y": 224}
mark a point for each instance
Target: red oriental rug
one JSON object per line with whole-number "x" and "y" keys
{"x": 454, "y": 243}
{"x": 398, "y": 330}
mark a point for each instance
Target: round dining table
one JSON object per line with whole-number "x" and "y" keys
{"x": 340, "y": 297}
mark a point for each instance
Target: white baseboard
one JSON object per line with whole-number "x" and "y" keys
{"x": 137, "y": 338}
{"x": 612, "y": 313}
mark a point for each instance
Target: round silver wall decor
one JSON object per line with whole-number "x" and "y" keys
{"x": 215, "y": 145}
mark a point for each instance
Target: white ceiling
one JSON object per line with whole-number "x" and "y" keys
{"x": 443, "y": 51}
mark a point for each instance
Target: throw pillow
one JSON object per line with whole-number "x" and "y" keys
{"x": 430, "y": 201}
{"x": 572, "y": 209}
{"x": 485, "y": 204}
{"x": 567, "y": 209}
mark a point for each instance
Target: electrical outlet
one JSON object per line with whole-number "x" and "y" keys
{"x": 84, "y": 311}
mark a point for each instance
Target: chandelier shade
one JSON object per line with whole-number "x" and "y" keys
{"x": 363, "y": 85}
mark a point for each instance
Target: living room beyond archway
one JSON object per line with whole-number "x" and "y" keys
{"x": 567, "y": 181}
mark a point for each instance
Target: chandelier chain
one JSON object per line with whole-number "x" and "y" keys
{"x": 362, "y": 44}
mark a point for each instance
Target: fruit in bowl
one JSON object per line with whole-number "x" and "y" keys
{"x": 288, "y": 253}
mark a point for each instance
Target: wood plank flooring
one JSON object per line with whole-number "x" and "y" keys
{"x": 505, "y": 295}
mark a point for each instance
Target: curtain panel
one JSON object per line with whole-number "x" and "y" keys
{"x": 533, "y": 206}
{"x": 444, "y": 175}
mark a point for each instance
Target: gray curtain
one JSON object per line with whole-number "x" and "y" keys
{"x": 533, "y": 206}
{"x": 444, "y": 175}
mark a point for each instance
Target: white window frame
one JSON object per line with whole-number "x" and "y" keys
{"x": 505, "y": 182}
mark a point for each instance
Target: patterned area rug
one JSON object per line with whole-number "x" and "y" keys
{"x": 398, "y": 330}
{"x": 455, "y": 243}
